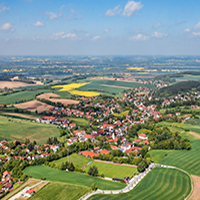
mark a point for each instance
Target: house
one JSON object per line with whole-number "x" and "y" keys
{"x": 104, "y": 151}
{"x": 29, "y": 192}
{"x": 142, "y": 136}
{"x": 7, "y": 186}
{"x": 178, "y": 113}
{"x": 88, "y": 154}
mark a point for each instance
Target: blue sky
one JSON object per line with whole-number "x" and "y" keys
{"x": 99, "y": 27}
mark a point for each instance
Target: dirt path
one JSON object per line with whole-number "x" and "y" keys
{"x": 195, "y": 134}
{"x": 115, "y": 86}
{"x": 21, "y": 115}
{"x": 196, "y": 192}
{"x": 107, "y": 162}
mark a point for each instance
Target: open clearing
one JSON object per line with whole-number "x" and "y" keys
{"x": 33, "y": 106}
{"x": 75, "y": 178}
{"x": 78, "y": 161}
{"x": 53, "y": 95}
{"x": 20, "y": 115}
{"x": 15, "y": 129}
{"x": 61, "y": 191}
{"x": 195, "y": 195}
{"x": 14, "y": 84}
{"x": 195, "y": 134}
{"x": 113, "y": 171}
{"x": 160, "y": 183}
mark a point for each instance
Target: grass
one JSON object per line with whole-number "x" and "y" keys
{"x": 113, "y": 171}
{"x": 158, "y": 155}
{"x": 14, "y": 129}
{"x": 79, "y": 121}
{"x": 19, "y": 96}
{"x": 122, "y": 114}
{"x": 61, "y": 191}
{"x": 159, "y": 184}
{"x": 75, "y": 178}
{"x": 78, "y": 161}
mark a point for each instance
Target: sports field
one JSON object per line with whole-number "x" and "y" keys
{"x": 113, "y": 171}
{"x": 78, "y": 161}
{"x": 19, "y": 96}
{"x": 61, "y": 191}
{"x": 14, "y": 129}
{"x": 75, "y": 178}
{"x": 160, "y": 183}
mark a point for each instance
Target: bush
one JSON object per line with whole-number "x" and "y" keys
{"x": 93, "y": 171}
{"x": 43, "y": 178}
{"x": 94, "y": 187}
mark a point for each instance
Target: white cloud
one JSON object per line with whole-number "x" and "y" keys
{"x": 73, "y": 15}
{"x": 52, "y": 15}
{"x": 3, "y": 8}
{"x": 157, "y": 25}
{"x": 96, "y": 37}
{"x": 69, "y": 35}
{"x": 6, "y": 27}
{"x": 131, "y": 8}
{"x": 197, "y": 26}
{"x": 87, "y": 35}
{"x": 139, "y": 37}
{"x": 158, "y": 35}
{"x": 38, "y": 23}
{"x": 61, "y": 35}
{"x": 106, "y": 30}
{"x": 187, "y": 30}
{"x": 196, "y": 33}
{"x": 113, "y": 12}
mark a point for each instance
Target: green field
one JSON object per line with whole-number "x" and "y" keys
{"x": 61, "y": 191}
{"x": 14, "y": 129}
{"x": 23, "y": 95}
{"x": 113, "y": 171}
{"x": 189, "y": 78}
{"x": 159, "y": 184}
{"x": 158, "y": 155}
{"x": 76, "y": 178}
{"x": 79, "y": 121}
{"x": 78, "y": 161}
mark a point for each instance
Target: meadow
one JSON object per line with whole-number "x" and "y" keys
{"x": 75, "y": 178}
{"x": 78, "y": 161}
{"x": 61, "y": 191}
{"x": 19, "y": 96}
{"x": 14, "y": 129}
{"x": 113, "y": 171}
{"x": 160, "y": 183}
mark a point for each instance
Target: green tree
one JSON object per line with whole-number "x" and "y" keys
{"x": 93, "y": 171}
{"x": 94, "y": 187}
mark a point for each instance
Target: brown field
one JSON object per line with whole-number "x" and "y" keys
{"x": 15, "y": 84}
{"x": 196, "y": 193}
{"x": 33, "y": 106}
{"x": 63, "y": 101}
{"x": 21, "y": 115}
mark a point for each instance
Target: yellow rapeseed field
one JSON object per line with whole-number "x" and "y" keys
{"x": 136, "y": 68}
{"x": 71, "y": 89}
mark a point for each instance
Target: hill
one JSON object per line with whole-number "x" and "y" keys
{"x": 174, "y": 89}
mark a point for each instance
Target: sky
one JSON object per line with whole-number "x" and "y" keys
{"x": 99, "y": 27}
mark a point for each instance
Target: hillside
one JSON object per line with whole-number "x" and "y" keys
{"x": 174, "y": 89}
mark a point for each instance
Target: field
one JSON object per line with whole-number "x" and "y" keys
{"x": 75, "y": 178}
{"x": 79, "y": 121}
{"x": 158, "y": 155}
{"x": 14, "y": 129}
{"x": 78, "y": 161}
{"x": 121, "y": 114}
{"x": 33, "y": 106}
{"x": 159, "y": 184}
{"x": 113, "y": 171}
{"x": 71, "y": 89}
{"x": 61, "y": 191}
{"x": 13, "y": 84}
{"x": 188, "y": 78}
{"x": 20, "y": 115}
{"x": 52, "y": 97}
{"x": 19, "y": 96}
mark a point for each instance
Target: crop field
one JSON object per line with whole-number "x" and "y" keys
{"x": 61, "y": 191}
{"x": 189, "y": 78}
{"x": 79, "y": 121}
{"x": 13, "y": 129}
{"x": 75, "y": 178}
{"x": 158, "y": 155}
{"x": 78, "y": 161}
{"x": 14, "y": 84}
{"x": 186, "y": 160}
{"x": 121, "y": 114}
{"x": 71, "y": 89}
{"x": 19, "y": 96}
{"x": 113, "y": 171}
{"x": 159, "y": 184}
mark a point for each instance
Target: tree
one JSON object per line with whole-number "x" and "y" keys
{"x": 142, "y": 165}
{"x": 93, "y": 171}
{"x": 94, "y": 187}
{"x": 70, "y": 167}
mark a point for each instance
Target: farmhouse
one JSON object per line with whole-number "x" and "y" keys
{"x": 142, "y": 136}
{"x": 88, "y": 154}
{"x": 30, "y": 192}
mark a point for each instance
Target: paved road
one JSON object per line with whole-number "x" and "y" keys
{"x": 25, "y": 189}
